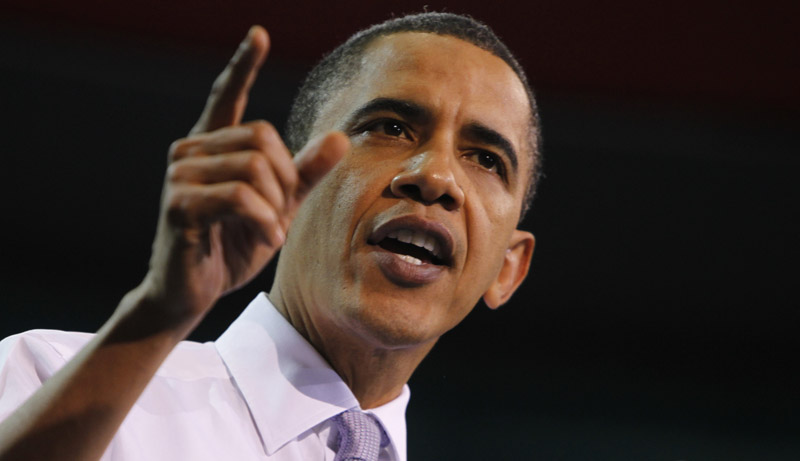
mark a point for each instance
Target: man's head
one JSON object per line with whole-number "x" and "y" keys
{"x": 418, "y": 221}
{"x": 337, "y": 69}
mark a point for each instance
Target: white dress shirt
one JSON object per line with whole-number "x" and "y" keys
{"x": 260, "y": 392}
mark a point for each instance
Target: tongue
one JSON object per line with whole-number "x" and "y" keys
{"x": 396, "y": 246}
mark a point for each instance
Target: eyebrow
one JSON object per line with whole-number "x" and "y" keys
{"x": 485, "y": 135}
{"x": 411, "y": 111}
{"x": 417, "y": 113}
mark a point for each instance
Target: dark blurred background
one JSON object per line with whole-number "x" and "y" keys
{"x": 659, "y": 320}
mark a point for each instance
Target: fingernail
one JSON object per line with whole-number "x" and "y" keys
{"x": 249, "y": 37}
{"x": 280, "y": 236}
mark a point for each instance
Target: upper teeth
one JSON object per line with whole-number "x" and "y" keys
{"x": 417, "y": 238}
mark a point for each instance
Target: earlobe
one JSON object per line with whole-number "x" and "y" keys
{"x": 516, "y": 263}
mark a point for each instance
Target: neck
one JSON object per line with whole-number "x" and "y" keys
{"x": 375, "y": 372}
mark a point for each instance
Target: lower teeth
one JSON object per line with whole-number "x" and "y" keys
{"x": 410, "y": 259}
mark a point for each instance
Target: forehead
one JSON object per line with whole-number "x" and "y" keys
{"x": 436, "y": 55}
{"x": 448, "y": 75}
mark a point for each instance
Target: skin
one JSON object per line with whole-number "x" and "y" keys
{"x": 330, "y": 285}
{"x": 231, "y": 192}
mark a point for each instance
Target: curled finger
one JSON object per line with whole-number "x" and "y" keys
{"x": 250, "y": 167}
{"x": 199, "y": 206}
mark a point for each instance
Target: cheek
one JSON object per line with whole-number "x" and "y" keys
{"x": 491, "y": 214}
{"x": 489, "y": 195}
{"x": 349, "y": 193}
{"x": 490, "y": 222}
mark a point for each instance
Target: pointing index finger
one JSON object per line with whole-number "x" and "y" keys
{"x": 228, "y": 99}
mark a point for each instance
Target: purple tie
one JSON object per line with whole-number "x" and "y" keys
{"x": 360, "y": 436}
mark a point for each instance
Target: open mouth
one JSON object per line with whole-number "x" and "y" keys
{"x": 414, "y": 247}
{"x": 414, "y": 251}
{"x": 415, "y": 241}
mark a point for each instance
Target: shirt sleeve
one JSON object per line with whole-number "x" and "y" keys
{"x": 29, "y": 359}
{"x": 26, "y": 361}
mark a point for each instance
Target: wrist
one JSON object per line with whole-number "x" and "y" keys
{"x": 144, "y": 313}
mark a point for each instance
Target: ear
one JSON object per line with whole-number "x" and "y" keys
{"x": 515, "y": 268}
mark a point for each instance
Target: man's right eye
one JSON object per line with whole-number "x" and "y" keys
{"x": 389, "y": 128}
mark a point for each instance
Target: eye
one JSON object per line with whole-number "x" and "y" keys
{"x": 388, "y": 127}
{"x": 489, "y": 161}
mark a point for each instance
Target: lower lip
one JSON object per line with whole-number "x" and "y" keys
{"x": 403, "y": 272}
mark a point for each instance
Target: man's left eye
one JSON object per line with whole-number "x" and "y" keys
{"x": 488, "y": 161}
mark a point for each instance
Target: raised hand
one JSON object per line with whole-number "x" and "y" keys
{"x": 230, "y": 193}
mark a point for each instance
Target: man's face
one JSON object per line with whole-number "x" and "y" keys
{"x": 403, "y": 237}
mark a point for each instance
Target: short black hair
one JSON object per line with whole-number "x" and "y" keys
{"x": 337, "y": 68}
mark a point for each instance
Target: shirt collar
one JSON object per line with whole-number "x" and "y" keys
{"x": 392, "y": 416}
{"x": 287, "y": 385}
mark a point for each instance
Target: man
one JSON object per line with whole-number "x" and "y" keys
{"x": 416, "y": 156}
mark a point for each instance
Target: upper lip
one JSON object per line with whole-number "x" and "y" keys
{"x": 434, "y": 229}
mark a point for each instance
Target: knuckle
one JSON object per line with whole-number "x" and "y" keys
{"x": 174, "y": 172}
{"x": 256, "y": 166}
{"x": 264, "y": 133}
{"x": 239, "y": 192}
{"x": 180, "y": 148}
{"x": 220, "y": 83}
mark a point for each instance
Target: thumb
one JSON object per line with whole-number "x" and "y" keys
{"x": 316, "y": 159}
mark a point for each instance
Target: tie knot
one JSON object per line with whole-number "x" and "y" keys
{"x": 360, "y": 436}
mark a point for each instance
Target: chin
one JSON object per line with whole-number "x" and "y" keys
{"x": 393, "y": 324}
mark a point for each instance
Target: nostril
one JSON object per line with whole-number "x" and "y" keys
{"x": 412, "y": 191}
{"x": 428, "y": 187}
{"x": 447, "y": 202}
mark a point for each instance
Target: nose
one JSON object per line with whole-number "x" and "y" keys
{"x": 429, "y": 179}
